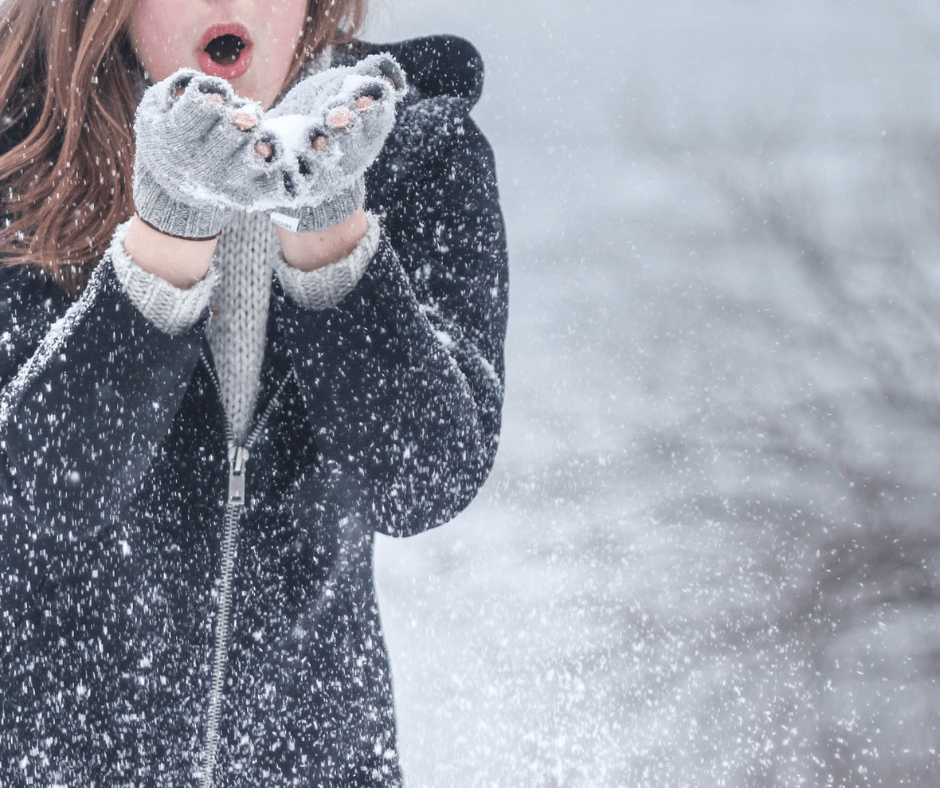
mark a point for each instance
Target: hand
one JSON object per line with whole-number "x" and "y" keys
{"x": 196, "y": 165}
{"x": 323, "y": 136}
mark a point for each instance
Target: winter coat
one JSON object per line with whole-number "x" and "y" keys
{"x": 382, "y": 414}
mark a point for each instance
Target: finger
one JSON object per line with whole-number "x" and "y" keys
{"x": 244, "y": 120}
{"x": 383, "y": 66}
{"x": 264, "y": 150}
{"x": 339, "y": 118}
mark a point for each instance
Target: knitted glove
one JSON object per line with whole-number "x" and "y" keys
{"x": 323, "y": 136}
{"x": 201, "y": 157}
{"x": 194, "y": 167}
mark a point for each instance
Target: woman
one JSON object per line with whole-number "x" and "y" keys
{"x": 205, "y": 416}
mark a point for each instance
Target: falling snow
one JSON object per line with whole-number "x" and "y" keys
{"x": 708, "y": 553}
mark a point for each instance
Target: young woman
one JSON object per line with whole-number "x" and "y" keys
{"x": 252, "y": 310}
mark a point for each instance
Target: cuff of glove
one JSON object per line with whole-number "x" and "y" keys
{"x": 172, "y": 310}
{"x": 325, "y": 287}
{"x": 336, "y": 209}
{"x": 173, "y": 217}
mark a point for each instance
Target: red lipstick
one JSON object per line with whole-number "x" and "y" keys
{"x": 242, "y": 56}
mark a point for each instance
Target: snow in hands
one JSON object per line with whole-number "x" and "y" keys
{"x": 200, "y": 145}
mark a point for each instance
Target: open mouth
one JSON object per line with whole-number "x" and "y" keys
{"x": 225, "y": 51}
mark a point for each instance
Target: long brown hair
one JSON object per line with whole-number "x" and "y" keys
{"x": 69, "y": 86}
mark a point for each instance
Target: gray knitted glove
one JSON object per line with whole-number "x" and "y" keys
{"x": 201, "y": 155}
{"x": 194, "y": 168}
{"x": 323, "y": 136}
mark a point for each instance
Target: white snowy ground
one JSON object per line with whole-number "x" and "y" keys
{"x": 709, "y": 552}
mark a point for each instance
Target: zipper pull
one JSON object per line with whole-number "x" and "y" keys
{"x": 237, "y": 459}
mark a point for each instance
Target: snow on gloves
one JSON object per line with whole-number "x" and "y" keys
{"x": 203, "y": 154}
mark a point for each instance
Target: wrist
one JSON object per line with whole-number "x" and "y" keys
{"x": 179, "y": 261}
{"x": 309, "y": 251}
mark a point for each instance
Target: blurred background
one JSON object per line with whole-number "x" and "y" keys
{"x": 708, "y": 554}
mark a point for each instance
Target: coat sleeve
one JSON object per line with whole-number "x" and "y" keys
{"x": 403, "y": 380}
{"x": 89, "y": 388}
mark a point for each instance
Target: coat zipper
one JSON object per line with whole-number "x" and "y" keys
{"x": 235, "y": 502}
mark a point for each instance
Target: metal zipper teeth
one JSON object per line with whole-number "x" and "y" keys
{"x": 238, "y": 458}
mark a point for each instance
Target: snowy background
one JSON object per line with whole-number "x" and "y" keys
{"x": 709, "y": 552}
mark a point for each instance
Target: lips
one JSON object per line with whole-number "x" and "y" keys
{"x": 230, "y": 40}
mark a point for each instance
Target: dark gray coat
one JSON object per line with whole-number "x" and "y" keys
{"x": 114, "y": 469}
